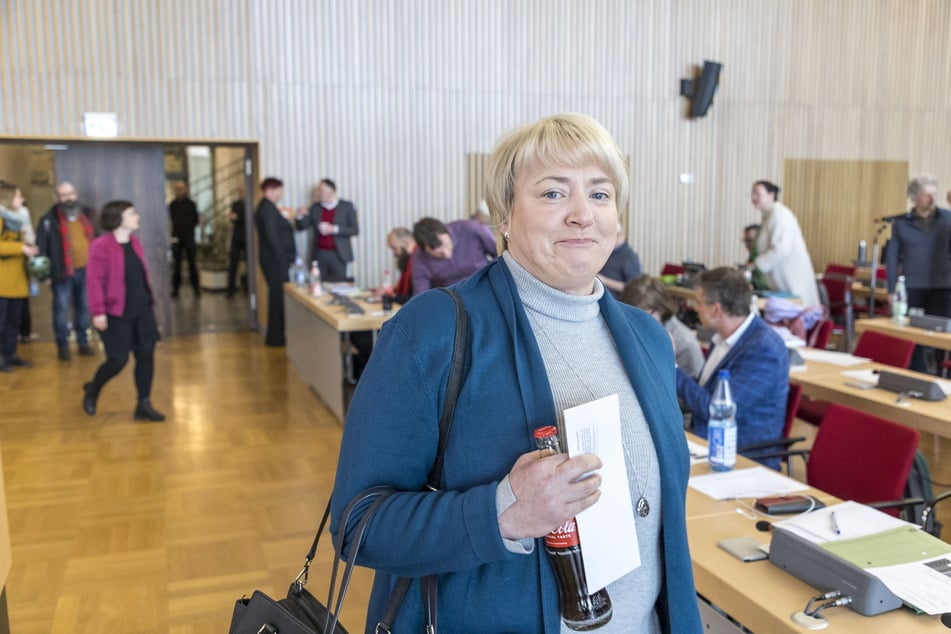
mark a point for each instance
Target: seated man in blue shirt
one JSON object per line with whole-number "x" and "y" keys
{"x": 622, "y": 266}
{"x": 746, "y": 346}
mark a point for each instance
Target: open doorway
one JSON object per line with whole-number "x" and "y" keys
{"x": 144, "y": 173}
{"x": 212, "y": 180}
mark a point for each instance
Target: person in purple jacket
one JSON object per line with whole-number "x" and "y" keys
{"x": 449, "y": 253}
{"x": 120, "y": 302}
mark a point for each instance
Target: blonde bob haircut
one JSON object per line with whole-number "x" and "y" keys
{"x": 567, "y": 140}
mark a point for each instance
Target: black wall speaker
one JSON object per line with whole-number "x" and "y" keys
{"x": 700, "y": 90}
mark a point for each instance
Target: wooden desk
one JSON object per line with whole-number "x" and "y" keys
{"x": 825, "y": 381}
{"x": 318, "y": 340}
{"x": 885, "y": 325}
{"x": 758, "y": 594}
{"x": 761, "y": 596}
{"x": 862, "y": 291}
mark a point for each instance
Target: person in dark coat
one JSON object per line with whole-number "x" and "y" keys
{"x": 239, "y": 249}
{"x": 184, "y": 217}
{"x": 920, "y": 249}
{"x": 64, "y": 235}
{"x": 276, "y": 254}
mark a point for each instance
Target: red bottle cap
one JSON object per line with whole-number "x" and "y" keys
{"x": 545, "y": 432}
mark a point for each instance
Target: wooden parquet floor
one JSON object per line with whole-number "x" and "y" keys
{"x": 129, "y": 527}
{"x": 119, "y": 526}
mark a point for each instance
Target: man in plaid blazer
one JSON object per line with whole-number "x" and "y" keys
{"x": 746, "y": 346}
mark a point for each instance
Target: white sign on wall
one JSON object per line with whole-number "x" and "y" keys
{"x": 101, "y": 124}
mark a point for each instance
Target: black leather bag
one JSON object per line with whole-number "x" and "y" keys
{"x": 300, "y": 612}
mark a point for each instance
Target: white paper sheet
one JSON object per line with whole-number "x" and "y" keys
{"x": 853, "y": 519}
{"x": 865, "y": 376}
{"x": 745, "y": 483}
{"x": 607, "y": 531}
{"x": 924, "y": 584}
{"x": 698, "y": 453}
{"x": 829, "y": 356}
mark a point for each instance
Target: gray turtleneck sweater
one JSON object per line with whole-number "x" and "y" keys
{"x": 583, "y": 365}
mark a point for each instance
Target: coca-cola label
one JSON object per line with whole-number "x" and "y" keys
{"x": 565, "y": 536}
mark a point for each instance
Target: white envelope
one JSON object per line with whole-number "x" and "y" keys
{"x": 607, "y": 531}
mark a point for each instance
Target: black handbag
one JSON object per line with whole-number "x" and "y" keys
{"x": 300, "y": 612}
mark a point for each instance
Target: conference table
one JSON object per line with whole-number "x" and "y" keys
{"x": 758, "y": 594}
{"x": 318, "y": 339}
{"x": 922, "y": 337}
{"x": 827, "y": 382}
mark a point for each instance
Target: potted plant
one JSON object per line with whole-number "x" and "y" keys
{"x": 214, "y": 253}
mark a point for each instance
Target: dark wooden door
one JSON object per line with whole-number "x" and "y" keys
{"x": 102, "y": 172}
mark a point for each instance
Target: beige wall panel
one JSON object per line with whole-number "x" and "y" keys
{"x": 388, "y": 98}
{"x": 836, "y": 202}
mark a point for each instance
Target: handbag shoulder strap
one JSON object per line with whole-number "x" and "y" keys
{"x": 457, "y": 371}
{"x": 381, "y": 493}
{"x": 301, "y": 580}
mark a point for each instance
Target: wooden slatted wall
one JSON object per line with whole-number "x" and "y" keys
{"x": 389, "y": 98}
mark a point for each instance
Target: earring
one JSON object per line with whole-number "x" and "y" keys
{"x": 505, "y": 236}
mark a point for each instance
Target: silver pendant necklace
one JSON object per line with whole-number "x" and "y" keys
{"x": 642, "y": 507}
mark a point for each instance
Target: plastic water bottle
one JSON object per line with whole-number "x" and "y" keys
{"x": 386, "y": 283}
{"x": 316, "y": 290}
{"x": 297, "y": 273}
{"x": 899, "y": 300}
{"x": 721, "y": 428}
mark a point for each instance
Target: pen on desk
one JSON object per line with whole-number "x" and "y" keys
{"x": 835, "y": 523}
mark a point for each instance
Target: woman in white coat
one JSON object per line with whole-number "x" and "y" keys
{"x": 779, "y": 250}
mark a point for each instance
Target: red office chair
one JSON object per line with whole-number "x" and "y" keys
{"x": 837, "y": 284}
{"x": 841, "y": 269}
{"x": 882, "y": 348}
{"x": 818, "y": 337}
{"x": 857, "y": 456}
{"x": 672, "y": 269}
{"x": 876, "y": 346}
{"x": 792, "y": 404}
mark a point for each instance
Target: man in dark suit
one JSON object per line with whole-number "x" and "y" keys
{"x": 276, "y": 254}
{"x": 753, "y": 353}
{"x": 184, "y": 216}
{"x": 334, "y": 221}
{"x": 238, "y": 249}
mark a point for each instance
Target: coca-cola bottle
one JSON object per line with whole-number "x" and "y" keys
{"x": 580, "y": 610}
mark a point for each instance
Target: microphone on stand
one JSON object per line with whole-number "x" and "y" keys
{"x": 889, "y": 218}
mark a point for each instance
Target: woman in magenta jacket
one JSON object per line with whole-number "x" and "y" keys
{"x": 120, "y": 302}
